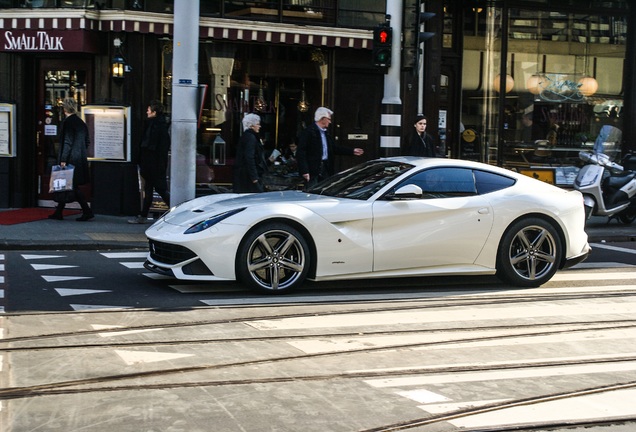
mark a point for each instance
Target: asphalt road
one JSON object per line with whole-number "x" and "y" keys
{"x": 91, "y": 341}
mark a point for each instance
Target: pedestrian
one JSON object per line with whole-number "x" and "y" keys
{"x": 153, "y": 159}
{"x": 316, "y": 149}
{"x": 421, "y": 143}
{"x": 250, "y": 164}
{"x": 74, "y": 142}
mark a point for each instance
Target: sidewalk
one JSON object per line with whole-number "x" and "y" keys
{"x": 103, "y": 232}
{"x": 114, "y": 232}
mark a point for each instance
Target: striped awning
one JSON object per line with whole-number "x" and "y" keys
{"x": 162, "y": 24}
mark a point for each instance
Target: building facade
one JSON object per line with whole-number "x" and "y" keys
{"x": 284, "y": 58}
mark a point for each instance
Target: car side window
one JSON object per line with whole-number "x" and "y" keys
{"x": 444, "y": 182}
{"x": 490, "y": 182}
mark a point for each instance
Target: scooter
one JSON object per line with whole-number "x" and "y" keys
{"x": 608, "y": 189}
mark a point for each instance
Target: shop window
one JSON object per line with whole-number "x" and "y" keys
{"x": 562, "y": 83}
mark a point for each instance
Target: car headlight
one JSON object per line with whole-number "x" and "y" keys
{"x": 207, "y": 223}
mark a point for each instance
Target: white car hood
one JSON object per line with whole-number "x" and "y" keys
{"x": 198, "y": 209}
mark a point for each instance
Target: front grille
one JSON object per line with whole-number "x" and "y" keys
{"x": 168, "y": 253}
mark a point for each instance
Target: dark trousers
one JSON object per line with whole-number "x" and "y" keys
{"x": 81, "y": 200}
{"x": 151, "y": 185}
{"x": 323, "y": 173}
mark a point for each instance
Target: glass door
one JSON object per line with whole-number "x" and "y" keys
{"x": 58, "y": 79}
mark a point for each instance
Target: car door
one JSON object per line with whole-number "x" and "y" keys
{"x": 447, "y": 226}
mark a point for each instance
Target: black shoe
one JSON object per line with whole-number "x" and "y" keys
{"x": 56, "y": 216}
{"x": 85, "y": 217}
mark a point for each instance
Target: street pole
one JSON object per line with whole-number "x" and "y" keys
{"x": 184, "y": 101}
{"x": 391, "y": 117}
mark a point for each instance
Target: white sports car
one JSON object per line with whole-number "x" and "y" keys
{"x": 392, "y": 217}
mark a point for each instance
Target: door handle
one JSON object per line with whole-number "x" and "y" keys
{"x": 483, "y": 210}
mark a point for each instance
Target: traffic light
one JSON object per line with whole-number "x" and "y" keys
{"x": 414, "y": 33}
{"x": 382, "y": 40}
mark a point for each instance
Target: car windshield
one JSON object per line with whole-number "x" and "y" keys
{"x": 362, "y": 181}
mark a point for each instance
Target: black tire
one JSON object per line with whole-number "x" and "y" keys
{"x": 628, "y": 215}
{"x": 530, "y": 253}
{"x": 273, "y": 258}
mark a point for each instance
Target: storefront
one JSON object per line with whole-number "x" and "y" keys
{"x": 539, "y": 82}
{"x": 123, "y": 59}
{"x": 524, "y": 84}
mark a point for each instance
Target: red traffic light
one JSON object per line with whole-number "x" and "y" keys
{"x": 383, "y": 36}
{"x": 382, "y": 39}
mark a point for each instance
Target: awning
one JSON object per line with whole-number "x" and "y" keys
{"x": 162, "y": 24}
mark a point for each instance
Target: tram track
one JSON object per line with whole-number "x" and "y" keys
{"x": 314, "y": 310}
{"x": 62, "y": 386}
{"x": 284, "y": 367}
{"x": 582, "y": 327}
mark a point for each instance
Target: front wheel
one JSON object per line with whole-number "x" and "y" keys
{"x": 628, "y": 215}
{"x": 273, "y": 258}
{"x": 529, "y": 254}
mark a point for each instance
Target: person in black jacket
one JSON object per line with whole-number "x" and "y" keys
{"x": 74, "y": 141}
{"x": 250, "y": 164}
{"x": 421, "y": 143}
{"x": 316, "y": 149}
{"x": 153, "y": 159}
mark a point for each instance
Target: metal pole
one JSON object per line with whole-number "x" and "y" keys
{"x": 184, "y": 101}
{"x": 391, "y": 117}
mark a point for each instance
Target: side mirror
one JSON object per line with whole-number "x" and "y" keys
{"x": 409, "y": 191}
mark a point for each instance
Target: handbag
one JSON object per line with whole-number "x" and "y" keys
{"x": 61, "y": 178}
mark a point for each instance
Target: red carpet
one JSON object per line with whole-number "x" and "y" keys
{"x": 11, "y": 217}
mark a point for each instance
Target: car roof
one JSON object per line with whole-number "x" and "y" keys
{"x": 433, "y": 162}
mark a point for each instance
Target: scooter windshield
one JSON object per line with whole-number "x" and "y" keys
{"x": 608, "y": 141}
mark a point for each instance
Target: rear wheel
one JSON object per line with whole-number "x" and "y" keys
{"x": 628, "y": 215}
{"x": 530, "y": 253}
{"x": 273, "y": 258}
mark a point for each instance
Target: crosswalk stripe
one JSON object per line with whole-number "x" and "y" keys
{"x": 81, "y": 307}
{"x": 31, "y": 257}
{"x": 576, "y": 276}
{"x": 613, "y": 248}
{"x": 39, "y": 267}
{"x": 616, "y": 404}
{"x": 64, "y": 292}
{"x": 120, "y": 333}
{"x": 122, "y": 255}
{"x": 133, "y": 265}
{"x": 49, "y": 278}
{"x": 135, "y": 357}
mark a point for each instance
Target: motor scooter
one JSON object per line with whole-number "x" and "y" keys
{"x": 608, "y": 188}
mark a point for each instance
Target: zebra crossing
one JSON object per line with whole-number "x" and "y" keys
{"x": 75, "y": 281}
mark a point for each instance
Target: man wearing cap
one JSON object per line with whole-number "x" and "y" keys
{"x": 316, "y": 149}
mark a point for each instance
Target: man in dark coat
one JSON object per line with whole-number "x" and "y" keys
{"x": 316, "y": 149}
{"x": 250, "y": 164}
{"x": 74, "y": 141}
{"x": 153, "y": 159}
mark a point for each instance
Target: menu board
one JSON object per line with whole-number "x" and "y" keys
{"x": 7, "y": 130}
{"x": 109, "y": 130}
